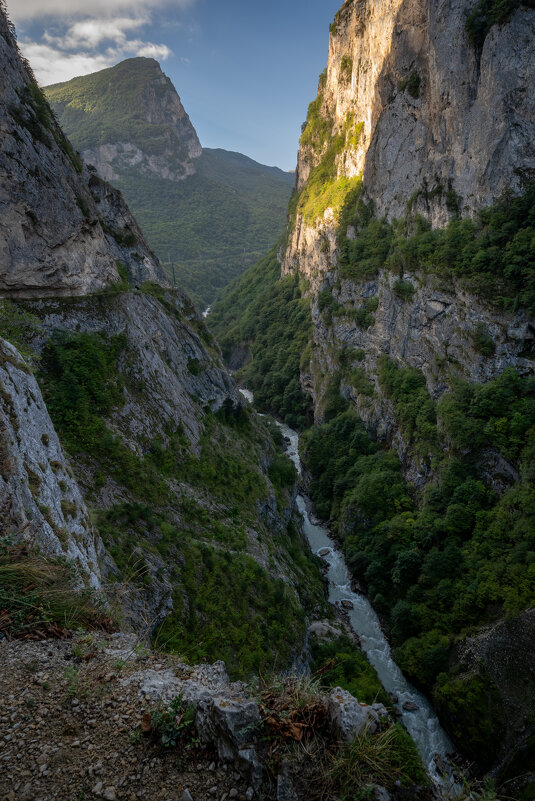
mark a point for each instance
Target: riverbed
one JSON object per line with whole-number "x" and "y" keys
{"x": 419, "y": 718}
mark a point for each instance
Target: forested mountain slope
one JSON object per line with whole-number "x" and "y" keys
{"x": 208, "y": 214}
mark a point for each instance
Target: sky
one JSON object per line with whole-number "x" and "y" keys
{"x": 245, "y": 70}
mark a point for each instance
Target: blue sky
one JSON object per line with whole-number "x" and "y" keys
{"x": 245, "y": 71}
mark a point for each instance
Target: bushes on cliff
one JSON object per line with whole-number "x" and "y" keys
{"x": 462, "y": 555}
{"x": 488, "y": 13}
{"x": 492, "y": 255}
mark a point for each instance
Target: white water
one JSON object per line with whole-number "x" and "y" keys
{"x": 422, "y": 723}
{"x": 206, "y": 312}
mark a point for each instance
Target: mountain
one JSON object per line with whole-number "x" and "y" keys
{"x": 125, "y": 447}
{"x": 207, "y": 213}
{"x": 395, "y": 324}
{"x": 63, "y": 231}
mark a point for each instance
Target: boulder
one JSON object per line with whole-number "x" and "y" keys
{"x": 349, "y": 718}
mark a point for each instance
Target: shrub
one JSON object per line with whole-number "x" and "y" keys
{"x": 404, "y": 290}
{"x": 412, "y": 83}
{"x": 483, "y": 342}
{"x": 388, "y": 758}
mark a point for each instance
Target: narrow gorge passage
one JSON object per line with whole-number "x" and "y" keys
{"x": 419, "y": 719}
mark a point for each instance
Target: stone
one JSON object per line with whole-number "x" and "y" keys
{"x": 186, "y": 796}
{"x": 97, "y": 789}
{"x": 410, "y": 706}
{"x": 285, "y": 788}
{"x": 110, "y": 794}
{"x": 346, "y": 604}
{"x": 349, "y": 718}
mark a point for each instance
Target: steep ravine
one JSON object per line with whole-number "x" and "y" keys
{"x": 415, "y": 710}
{"x": 411, "y": 336}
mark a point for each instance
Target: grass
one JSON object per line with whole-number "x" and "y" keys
{"x": 38, "y": 599}
{"x": 385, "y": 759}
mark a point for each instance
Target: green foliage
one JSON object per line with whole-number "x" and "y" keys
{"x": 173, "y": 725}
{"x": 333, "y": 402}
{"x": 234, "y": 611}
{"x": 346, "y": 68}
{"x": 491, "y": 255}
{"x": 191, "y": 512}
{"x": 388, "y": 758}
{"x": 19, "y": 327}
{"x": 488, "y": 13}
{"x": 324, "y": 189}
{"x": 404, "y": 290}
{"x": 35, "y": 114}
{"x": 364, "y": 316}
{"x": 267, "y": 315}
{"x": 350, "y": 670}
{"x": 207, "y": 228}
{"x": 462, "y": 556}
{"x": 412, "y": 83}
{"x": 415, "y": 410}
{"x": 360, "y": 381}
{"x": 483, "y": 342}
{"x": 470, "y": 707}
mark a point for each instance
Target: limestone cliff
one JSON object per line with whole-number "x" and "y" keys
{"x": 40, "y": 501}
{"x": 427, "y": 122}
{"x": 63, "y": 231}
{"x": 154, "y": 134}
{"x": 421, "y": 113}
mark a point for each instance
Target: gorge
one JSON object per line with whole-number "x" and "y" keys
{"x": 390, "y": 333}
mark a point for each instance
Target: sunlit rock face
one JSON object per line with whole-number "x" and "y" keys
{"x": 428, "y": 116}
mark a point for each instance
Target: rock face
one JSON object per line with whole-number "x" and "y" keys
{"x": 434, "y": 330}
{"x": 40, "y": 501}
{"x": 464, "y": 122}
{"x": 62, "y": 230}
{"x": 349, "y": 718}
{"x": 150, "y": 103}
{"x": 408, "y": 96}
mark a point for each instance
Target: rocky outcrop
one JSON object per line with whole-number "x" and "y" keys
{"x": 62, "y": 230}
{"x": 160, "y": 347}
{"x": 40, "y": 502}
{"x": 434, "y": 329}
{"x": 160, "y": 141}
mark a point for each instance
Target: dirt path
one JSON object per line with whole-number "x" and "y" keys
{"x": 70, "y": 731}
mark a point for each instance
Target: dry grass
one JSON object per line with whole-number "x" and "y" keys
{"x": 38, "y": 597}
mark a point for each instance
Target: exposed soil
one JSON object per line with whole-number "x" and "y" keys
{"x": 70, "y": 731}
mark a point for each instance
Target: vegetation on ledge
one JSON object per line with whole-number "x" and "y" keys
{"x": 182, "y": 518}
{"x": 491, "y": 256}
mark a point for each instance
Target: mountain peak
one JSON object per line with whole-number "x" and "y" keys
{"x": 127, "y": 115}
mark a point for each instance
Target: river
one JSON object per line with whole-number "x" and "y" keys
{"x": 422, "y": 722}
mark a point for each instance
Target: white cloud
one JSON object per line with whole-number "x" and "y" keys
{"x": 34, "y": 9}
{"x": 91, "y": 32}
{"x": 53, "y": 66}
{"x": 88, "y": 45}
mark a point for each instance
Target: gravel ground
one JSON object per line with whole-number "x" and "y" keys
{"x": 69, "y": 730}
